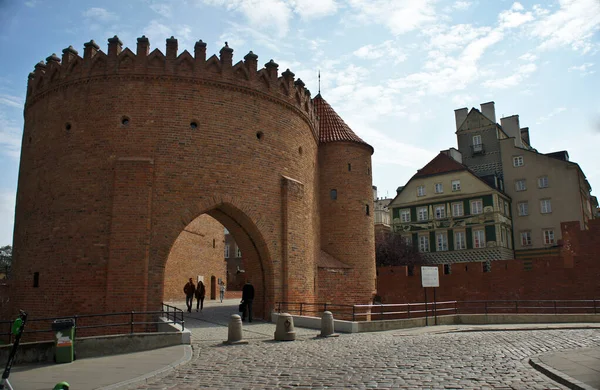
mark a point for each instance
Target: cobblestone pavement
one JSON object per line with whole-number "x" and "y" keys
{"x": 392, "y": 359}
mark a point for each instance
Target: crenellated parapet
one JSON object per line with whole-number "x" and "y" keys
{"x": 123, "y": 62}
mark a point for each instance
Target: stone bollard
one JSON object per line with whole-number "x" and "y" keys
{"x": 327, "y": 325}
{"x": 234, "y": 333}
{"x": 285, "y": 328}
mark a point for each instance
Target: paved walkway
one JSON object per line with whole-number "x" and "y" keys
{"x": 466, "y": 357}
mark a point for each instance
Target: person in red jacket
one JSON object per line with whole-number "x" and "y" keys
{"x": 189, "y": 289}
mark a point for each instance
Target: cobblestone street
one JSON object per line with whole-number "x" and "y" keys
{"x": 392, "y": 359}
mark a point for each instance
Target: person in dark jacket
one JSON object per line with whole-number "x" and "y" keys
{"x": 247, "y": 298}
{"x": 200, "y": 294}
{"x": 189, "y": 289}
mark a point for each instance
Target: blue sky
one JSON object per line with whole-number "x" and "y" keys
{"x": 395, "y": 70}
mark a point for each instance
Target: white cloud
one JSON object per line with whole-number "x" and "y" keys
{"x": 10, "y": 137}
{"x": 159, "y": 32}
{"x": 513, "y": 80}
{"x": 309, "y": 9}
{"x": 100, "y": 14}
{"x": 261, "y": 14}
{"x": 461, "y": 5}
{"x": 31, "y": 4}
{"x": 456, "y": 37}
{"x": 528, "y": 57}
{"x": 387, "y": 49}
{"x": 399, "y": 16}
{"x": 162, "y": 9}
{"x": 7, "y": 216}
{"x": 514, "y": 17}
{"x": 549, "y": 116}
{"x": 12, "y": 101}
{"x": 573, "y": 25}
{"x": 584, "y": 69}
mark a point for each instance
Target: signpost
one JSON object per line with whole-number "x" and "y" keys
{"x": 430, "y": 277}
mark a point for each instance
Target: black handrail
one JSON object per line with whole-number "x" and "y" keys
{"x": 379, "y": 311}
{"x": 173, "y": 315}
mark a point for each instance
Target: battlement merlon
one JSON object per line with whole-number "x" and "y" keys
{"x": 124, "y": 62}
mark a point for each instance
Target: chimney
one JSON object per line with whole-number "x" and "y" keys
{"x": 460, "y": 115}
{"x": 525, "y": 135}
{"x": 489, "y": 111}
{"x": 511, "y": 127}
{"x": 454, "y": 154}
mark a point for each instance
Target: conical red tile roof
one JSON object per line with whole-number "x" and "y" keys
{"x": 332, "y": 128}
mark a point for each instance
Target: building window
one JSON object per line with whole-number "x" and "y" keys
{"x": 447, "y": 269}
{"x": 405, "y": 215}
{"x": 476, "y": 206}
{"x": 526, "y": 238}
{"x": 518, "y": 161}
{"x": 440, "y": 212}
{"x": 545, "y": 206}
{"x": 501, "y": 205}
{"x": 421, "y": 191}
{"x": 424, "y": 243}
{"x": 543, "y": 182}
{"x": 486, "y": 266}
{"x": 422, "y": 214}
{"x": 367, "y": 211}
{"x": 439, "y": 188}
{"x": 349, "y": 167}
{"x": 478, "y": 239}
{"x": 333, "y": 194}
{"x": 549, "y": 236}
{"x": 407, "y": 240}
{"x": 238, "y": 252}
{"x": 523, "y": 208}
{"x": 520, "y": 185}
{"x": 410, "y": 270}
{"x": 506, "y": 209}
{"x": 455, "y": 185}
{"x": 459, "y": 241}
{"x": 226, "y": 251}
{"x": 457, "y": 209}
{"x": 442, "y": 241}
{"x": 502, "y": 237}
{"x": 477, "y": 147}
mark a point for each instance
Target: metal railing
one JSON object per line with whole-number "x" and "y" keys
{"x": 378, "y": 312}
{"x": 126, "y": 322}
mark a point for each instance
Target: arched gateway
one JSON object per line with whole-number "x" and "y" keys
{"x": 122, "y": 150}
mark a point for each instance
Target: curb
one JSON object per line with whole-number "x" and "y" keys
{"x": 558, "y": 376}
{"x": 156, "y": 374}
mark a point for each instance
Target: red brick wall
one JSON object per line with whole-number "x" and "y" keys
{"x": 112, "y": 172}
{"x": 346, "y": 230}
{"x": 575, "y": 274}
{"x": 198, "y": 251}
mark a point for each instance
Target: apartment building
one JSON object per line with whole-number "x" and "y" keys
{"x": 546, "y": 189}
{"x": 453, "y": 215}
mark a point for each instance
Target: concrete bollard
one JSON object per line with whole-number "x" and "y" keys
{"x": 234, "y": 331}
{"x": 285, "y": 328}
{"x": 327, "y": 325}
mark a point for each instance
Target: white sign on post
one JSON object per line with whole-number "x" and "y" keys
{"x": 430, "y": 277}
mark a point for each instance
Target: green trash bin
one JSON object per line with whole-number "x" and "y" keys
{"x": 64, "y": 335}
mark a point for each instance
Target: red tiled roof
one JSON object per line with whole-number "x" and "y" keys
{"x": 332, "y": 128}
{"x": 442, "y": 163}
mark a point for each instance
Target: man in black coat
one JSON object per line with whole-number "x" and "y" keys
{"x": 247, "y": 298}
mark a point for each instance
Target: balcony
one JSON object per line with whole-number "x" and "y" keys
{"x": 477, "y": 149}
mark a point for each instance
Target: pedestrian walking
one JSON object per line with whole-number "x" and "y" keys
{"x": 222, "y": 291}
{"x": 247, "y": 299}
{"x": 200, "y": 293}
{"x": 189, "y": 290}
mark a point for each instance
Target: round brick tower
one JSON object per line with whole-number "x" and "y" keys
{"x": 122, "y": 150}
{"x": 346, "y": 201}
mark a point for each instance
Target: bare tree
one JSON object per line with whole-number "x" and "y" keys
{"x": 391, "y": 249}
{"x": 5, "y": 256}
